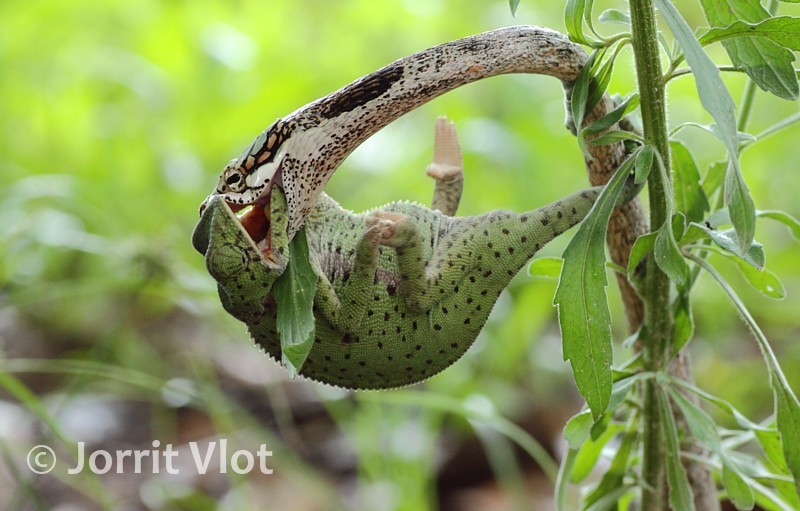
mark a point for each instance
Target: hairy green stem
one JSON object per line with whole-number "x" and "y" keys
{"x": 657, "y": 326}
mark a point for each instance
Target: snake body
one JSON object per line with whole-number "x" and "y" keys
{"x": 301, "y": 151}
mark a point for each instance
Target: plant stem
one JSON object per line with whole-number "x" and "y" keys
{"x": 657, "y": 321}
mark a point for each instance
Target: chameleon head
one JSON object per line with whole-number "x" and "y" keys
{"x": 237, "y": 253}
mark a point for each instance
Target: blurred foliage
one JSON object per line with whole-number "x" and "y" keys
{"x": 115, "y": 119}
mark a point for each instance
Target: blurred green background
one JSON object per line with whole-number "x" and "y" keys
{"x": 115, "y": 119}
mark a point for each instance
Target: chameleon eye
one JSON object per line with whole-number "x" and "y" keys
{"x": 233, "y": 179}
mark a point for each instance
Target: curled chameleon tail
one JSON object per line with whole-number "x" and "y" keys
{"x": 403, "y": 290}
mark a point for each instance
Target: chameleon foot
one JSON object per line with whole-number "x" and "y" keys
{"x": 384, "y": 227}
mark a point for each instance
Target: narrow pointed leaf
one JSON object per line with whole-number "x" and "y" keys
{"x": 783, "y": 30}
{"x": 715, "y": 176}
{"x": 704, "y": 429}
{"x": 614, "y": 116}
{"x": 740, "y": 206}
{"x": 590, "y": 452}
{"x": 763, "y": 280}
{"x": 612, "y": 137}
{"x": 615, "y": 16}
{"x": 573, "y": 19}
{"x": 787, "y": 406}
{"x": 582, "y": 303}
{"x": 738, "y": 490}
{"x": 690, "y": 199}
{"x": 727, "y": 240}
{"x": 787, "y": 419}
{"x": 643, "y": 164}
{"x": 641, "y": 247}
{"x": 614, "y": 476}
{"x": 580, "y": 91}
{"x": 684, "y": 321}
{"x": 576, "y": 431}
{"x": 513, "y": 4}
{"x": 716, "y": 99}
{"x": 765, "y": 62}
{"x": 668, "y": 255}
{"x": 546, "y": 267}
{"x": 294, "y": 295}
{"x": 785, "y": 218}
{"x": 680, "y": 493}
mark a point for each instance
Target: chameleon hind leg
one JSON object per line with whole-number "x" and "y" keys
{"x": 480, "y": 255}
{"x": 446, "y": 168}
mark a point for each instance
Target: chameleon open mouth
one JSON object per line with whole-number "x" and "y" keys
{"x": 255, "y": 221}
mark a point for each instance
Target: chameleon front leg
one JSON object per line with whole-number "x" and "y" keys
{"x": 446, "y": 168}
{"x": 346, "y": 310}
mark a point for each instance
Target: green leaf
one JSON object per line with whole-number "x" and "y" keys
{"x": 641, "y": 247}
{"x": 683, "y": 321}
{"x": 738, "y": 490}
{"x": 573, "y": 19}
{"x": 715, "y": 175}
{"x": 667, "y": 254}
{"x": 643, "y": 163}
{"x": 294, "y": 295}
{"x": 513, "y": 4}
{"x": 726, "y": 239}
{"x": 580, "y": 91}
{"x": 614, "y": 477}
{"x": 770, "y": 442}
{"x": 783, "y": 30}
{"x": 765, "y": 62}
{"x": 577, "y": 429}
{"x": 598, "y": 86}
{"x": 590, "y": 451}
{"x": 785, "y": 218}
{"x": 622, "y": 388}
{"x": 624, "y": 108}
{"x": 740, "y": 206}
{"x": 546, "y": 267}
{"x": 743, "y": 421}
{"x": 787, "y": 419}
{"x": 582, "y": 303}
{"x": 614, "y": 136}
{"x": 615, "y": 16}
{"x": 763, "y": 280}
{"x": 717, "y": 101}
{"x": 787, "y": 407}
{"x": 680, "y": 493}
{"x": 704, "y": 429}
{"x": 689, "y": 196}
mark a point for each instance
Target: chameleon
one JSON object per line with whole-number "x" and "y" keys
{"x": 403, "y": 290}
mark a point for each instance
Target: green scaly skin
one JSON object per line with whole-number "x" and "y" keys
{"x": 403, "y": 290}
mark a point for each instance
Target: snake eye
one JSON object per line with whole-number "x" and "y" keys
{"x": 234, "y": 180}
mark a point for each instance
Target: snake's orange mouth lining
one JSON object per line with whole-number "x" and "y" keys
{"x": 255, "y": 221}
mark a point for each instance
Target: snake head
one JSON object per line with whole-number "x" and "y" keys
{"x": 237, "y": 256}
{"x": 248, "y": 179}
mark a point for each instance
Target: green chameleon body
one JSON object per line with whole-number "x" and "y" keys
{"x": 403, "y": 290}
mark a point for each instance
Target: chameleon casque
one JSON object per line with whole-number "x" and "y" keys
{"x": 403, "y": 290}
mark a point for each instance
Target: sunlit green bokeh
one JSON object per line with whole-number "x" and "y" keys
{"x": 116, "y": 117}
